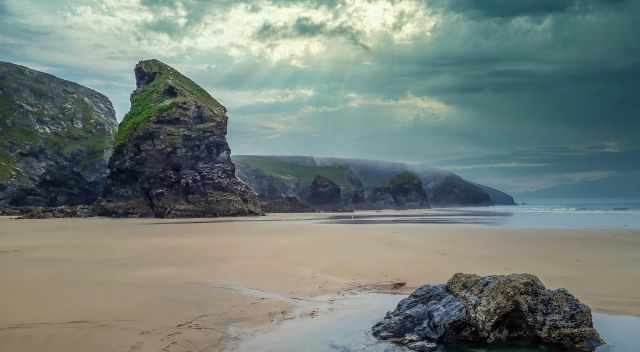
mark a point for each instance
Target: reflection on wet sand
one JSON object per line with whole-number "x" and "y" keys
{"x": 440, "y": 216}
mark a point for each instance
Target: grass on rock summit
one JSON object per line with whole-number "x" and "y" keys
{"x": 151, "y": 99}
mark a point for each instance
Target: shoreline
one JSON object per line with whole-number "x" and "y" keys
{"x": 139, "y": 285}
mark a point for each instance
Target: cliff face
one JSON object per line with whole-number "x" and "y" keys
{"x": 497, "y": 196}
{"x": 444, "y": 188}
{"x": 298, "y": 184}
{"x": 284, "y": 182}
{"x": 55, "y": 139}
{"x": 452, "y": 190}
{"x": 323, "y": 192}
{"x": 171, "y": 156}
{"x": 406, "y": 191}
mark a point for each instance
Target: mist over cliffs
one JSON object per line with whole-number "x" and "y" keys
{"x": 287, "y": 183}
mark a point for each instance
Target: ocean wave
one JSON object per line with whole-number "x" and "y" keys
{"x": 579, "y": 210}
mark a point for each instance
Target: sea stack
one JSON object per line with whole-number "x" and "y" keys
{"x": 56, "y": 137}
{"x": 171, "y": 157}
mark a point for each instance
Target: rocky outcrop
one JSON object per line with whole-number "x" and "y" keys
{"x": 171, "y": 156}
{"x": 64, "y": 211}
{"x": 268, "y": 187}
{"x": 403, "y": 191}
{"x": 295, "y": 184}
{"x": 276, "y": 194}
{"x": 514, "y": 308}
{"x": 407, "y": 191}
{"x": 323, "y": 192}
{"x": 379, "y": 198}
{"x": 55, "y": 139}
{"x": 286, "y": 204}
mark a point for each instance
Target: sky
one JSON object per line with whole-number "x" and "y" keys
{"x": 524, "y": 95}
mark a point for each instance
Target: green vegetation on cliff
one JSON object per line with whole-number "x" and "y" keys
{"x": 143, "y": 105}
{"x": 6, "y": 108}
{"x": 172, "y": 157}
{"x": 282, "y": 168}
{"x": 164, "y": 90}
{"x": 7, "y": 134}
{"x": 71, "y": 139}
{"x": 404, "y": 183}
{"x": 55, "y": 138}
{"x": 6, "y": 167}
{"x": 404, "y": 179}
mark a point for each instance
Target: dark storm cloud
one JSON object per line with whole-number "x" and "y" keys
{"x": 517, "y": 8}
{"x": 195, "y": 11}
{"x": 329, "y": 4}
{"x": 570, "y": 73}
{"x": 305, "y": 27}
{"x": 531, "y": 93}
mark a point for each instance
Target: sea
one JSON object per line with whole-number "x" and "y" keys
{"x": 536, "y": 213}
{"x": 571, "y": 213}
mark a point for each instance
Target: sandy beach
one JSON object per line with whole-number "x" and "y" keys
{"x": 181, "y": 285}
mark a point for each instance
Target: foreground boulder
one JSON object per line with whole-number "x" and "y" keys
{"x": 56, "y": 137}
{"x": 514, "y": 308}
{"x": 171, "y": 156}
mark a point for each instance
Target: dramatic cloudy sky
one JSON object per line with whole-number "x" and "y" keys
{"x": 520, "y": 94}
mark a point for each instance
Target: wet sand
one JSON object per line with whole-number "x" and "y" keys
{"x": 172, "y": 285}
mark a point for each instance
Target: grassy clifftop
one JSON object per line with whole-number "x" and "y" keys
{"x": 287, "y": 169}
{"x": 403, "y": 180}
{"x": 160, "y": 89}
